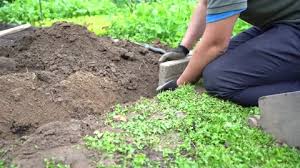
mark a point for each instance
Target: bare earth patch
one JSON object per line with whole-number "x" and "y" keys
{"x": 55, "y": 84}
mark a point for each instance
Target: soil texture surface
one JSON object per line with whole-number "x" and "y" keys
{"x": 55, "y": 85}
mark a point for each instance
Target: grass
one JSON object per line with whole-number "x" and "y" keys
{"x": 185, "y": 129}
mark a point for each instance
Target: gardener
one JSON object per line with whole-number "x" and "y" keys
{"x": 262, "y": 60}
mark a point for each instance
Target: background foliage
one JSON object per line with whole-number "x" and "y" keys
{"x": 165, "y": 20}
{"x": 136, "y": 20}
{"x": 21, "y": 11}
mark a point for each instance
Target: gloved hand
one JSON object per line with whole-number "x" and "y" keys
{"x": 170, "y": 85}
{"x": 175, "y": 54}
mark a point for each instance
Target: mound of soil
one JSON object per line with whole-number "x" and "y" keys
{"x": 65, "y": 72}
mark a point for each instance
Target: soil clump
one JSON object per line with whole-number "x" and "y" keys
{"x": 57, "y": 77}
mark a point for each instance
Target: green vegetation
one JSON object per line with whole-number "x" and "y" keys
{"x": 175, "y": 129}
{"x": 49, "y": 163}
{"x": 164, "y": 20}
{"x": 52, "y": 164}
{"x": 240, "y": 26}
{"x": 4, "y": 165}
{"x": 21, "y": 11}
{"x": 185, "y": 129}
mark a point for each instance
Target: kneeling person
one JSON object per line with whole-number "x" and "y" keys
{"x": 260, "y": 61}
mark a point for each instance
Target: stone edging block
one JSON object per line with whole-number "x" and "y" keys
{"x": 171, "y": 70}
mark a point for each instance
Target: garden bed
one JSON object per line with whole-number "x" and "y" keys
{"x": 56, "y": 82}
{"x": 58, "y": 86}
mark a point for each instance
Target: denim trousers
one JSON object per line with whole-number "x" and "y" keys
{"x": 257, "y": 63}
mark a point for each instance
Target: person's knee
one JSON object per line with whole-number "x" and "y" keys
{"x": 213, "y": 81}
{"x": 209, "y": 76}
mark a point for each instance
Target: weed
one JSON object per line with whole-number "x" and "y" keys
{"x": 184, "y": 129}
{"x": 2, "y": 164}
{"x": 6, "y": 165}
{"x": 53, "y": 164}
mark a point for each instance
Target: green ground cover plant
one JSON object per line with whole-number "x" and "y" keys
{"x": 50, "y": 163}
{"x": 4, "y": 165}
{"x": 186, "y": 129}
{"x": 27, "y": 11}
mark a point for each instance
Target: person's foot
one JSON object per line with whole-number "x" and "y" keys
{"x": 253, "y": 121}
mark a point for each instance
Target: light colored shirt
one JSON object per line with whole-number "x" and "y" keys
{"x": 221, "y": 9}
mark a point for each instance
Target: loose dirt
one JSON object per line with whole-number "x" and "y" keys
{"x": 57, "y": 82}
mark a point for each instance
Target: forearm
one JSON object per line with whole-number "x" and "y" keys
{"x": 214, "y": 42}
{"x": 196, "y": 26}
{"x": 202, "y": 56}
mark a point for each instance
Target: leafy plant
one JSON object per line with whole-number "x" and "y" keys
{"x": 136, "y": 20}
{"x": 165, "y": 20}
{"x": 21, "y": 11}
{"x": 52, "y": 164}
{"x": 240, "y": 26}
{"x": 185, "y": 129}
{"x": 3, "y": 164}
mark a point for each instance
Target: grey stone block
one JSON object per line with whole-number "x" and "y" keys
{"x": 281, "y": 117}
{"x": 171, "y": 70}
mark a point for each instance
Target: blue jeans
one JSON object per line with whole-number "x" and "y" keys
{"x": 257, "y": 63}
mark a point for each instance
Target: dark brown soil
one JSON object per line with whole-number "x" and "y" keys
{"x": 64, "y": 73}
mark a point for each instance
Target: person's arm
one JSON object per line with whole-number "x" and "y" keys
{"x": 214, "y": 42}
{"x": 196, "y": 26}
{"x": 194, "y": 32}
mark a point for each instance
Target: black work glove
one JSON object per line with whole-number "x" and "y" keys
{"x": 170, "y": 85}
{"x": 175, "y": 54}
